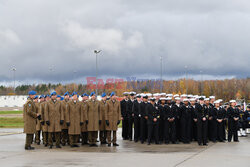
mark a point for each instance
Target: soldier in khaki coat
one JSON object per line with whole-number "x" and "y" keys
{"x": 84, "y": 130}
{"x": 112, "y": 117}
{"x": 29, "y": 116}
{"x": 74, "y": 119}
{"x": 103, "y": 133}
{"x": 54, "y": 118}
{"x": 93, "y": 119}
{"x": 38, "y": 123}
{"x": 43, "y": 124}
{"x": 65, "y": 136}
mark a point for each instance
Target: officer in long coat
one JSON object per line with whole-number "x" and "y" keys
{"x": 130, "y": 113}
{"x": 220, "y": 112}
{"x": 136, "y": 112}
{"x": 93, "y": 119}
{"x": 186, "y": 121}
{"x": 153, "y": 116}
{"x": 103, "y": 133}
{"x": 143, "y": 119}
{"x": 43, "y": 124}
{"x": 84, "y": 130}
{"x": 38, "y": 124}
{"x": 54, "y": 118}
{"x": 29, "y": 116}
{"x": 124, "y": 116}
{"x": 233, "y": 119}
{"x": 64, "y": 135}
{"x": 112, "y": 118}
{"x": 74, "y": 119}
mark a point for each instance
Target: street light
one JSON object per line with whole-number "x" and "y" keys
{"x": 14, "y": 76}
{"x": 161, "y": 73}
{"x": 201, "y": 81}
{"x": 96, "y": 54}
{"x": 186, "y": 79}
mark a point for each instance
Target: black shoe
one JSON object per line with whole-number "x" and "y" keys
{"x": 115, "y": 144}
{"x": 109, "y": 145}
{"x": 142, "y": 142}
{"x": 103, "y": 142}
{"x": 148, "y": 143}
{"x": 199, "y": 144}
{"x": 50, "y": 147}
{"x": 63, "y": 144}
{"x": 204, "y": 144}
{"x": 95, "y": 145}
{"x": 45, "y": 145}
{"x": 58, "y": 146}
{"x": 136, "y": 141}
{"x": 29, "y": 148}
{"x": 76, "y": 145}
{"x": 236, "y": 141}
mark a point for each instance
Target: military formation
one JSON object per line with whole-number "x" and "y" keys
{"x": 158, "y": 118}
{"x": 68, "y": 121}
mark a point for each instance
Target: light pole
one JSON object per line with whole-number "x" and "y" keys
{"x": 186, "y": 79}
{"x": 201, "y": 81}
{"x": 75, "y": 78}
{"x": 161, "y": 73}
{"x": 14, "y": 77}
{"x": 96, "y": 54}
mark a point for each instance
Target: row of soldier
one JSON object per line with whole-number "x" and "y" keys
{"x": 160, "y": 118}
{"x": 164, "y": 118}
{"x": 65, "y": 120}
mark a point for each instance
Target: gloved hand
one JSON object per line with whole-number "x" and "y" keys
{"x": 81, "y": 123}
{"x": 42, "y": 123}
{"x": 100, "y": 122}
{"x": 68, "y": 123}
{"x": 107, "y": 122}
{"x": 61, "y": 122}
{"x": 87, "y": 122}
{"x": 39, "y": 117}
{"x": 48, "y": 123}
{"x": 118, "y": 122}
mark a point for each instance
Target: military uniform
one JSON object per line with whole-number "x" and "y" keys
{"x": 103, "y": 133}
{"x": 84, "y": 130}
{"x": 129, "y": 106}
{"x": 125, "y": 119}
{"x": 233, "y": 113}
{"x": 74, "y": 120}
{"x": 169, "y": 124}
{"x": 93, "y": 119}
{"x": 135, "y": 111}
{"x": 112, "y": 117}
{"x": 29, "y": 117}
{"x": 143, "y": 121}
{"x": 43, "y": 124}
{"x": 54, "y": 118}
{"x": 152, "y": 113}
{"x": 38, "y": 125}
{"x": 64, "y": 135}
{"x": 220, "y": 112}
{"x": 202, "y": 123}
{"x": 185, "y": 123}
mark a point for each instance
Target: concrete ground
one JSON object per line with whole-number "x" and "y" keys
{"x": 12, "y": 153}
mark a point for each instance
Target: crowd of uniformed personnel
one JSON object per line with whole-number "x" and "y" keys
{"x": 66, "y": 120}
{"x": 159, "y": 118}
{"x": 166, "y": 118}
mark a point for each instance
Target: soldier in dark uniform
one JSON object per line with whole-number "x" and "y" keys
{"x": 220, "y": 112}
{"x": 194, "y": 118}
{"x": 124, "y": 116}
{"x": 202, "y": 122}
{"x": 212, "y": 131}
{"x": 243, "y": 121}
{"x": 169, "y": 117}
{"x": 233, "y": 119}
{"x": 153, "y": 115}
{"x": 176, "y": 109}
{"x": 143, "y": 119}
{"x": 162, "y": 110}
{"x": 186, "y": 121}
{"x": 130, "y": 115}
{"x": 135, "y": 111}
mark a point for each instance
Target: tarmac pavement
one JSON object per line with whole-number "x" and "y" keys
{"x": 129, "y": 153}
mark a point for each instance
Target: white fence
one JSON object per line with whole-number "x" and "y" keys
{"x": 18, "y": 101}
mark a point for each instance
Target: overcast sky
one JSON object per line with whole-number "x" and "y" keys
{"x": 47, "y": 40}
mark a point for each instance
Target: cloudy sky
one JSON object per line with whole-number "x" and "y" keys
{"x": 53, "y": 40}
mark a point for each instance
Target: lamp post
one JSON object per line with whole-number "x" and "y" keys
{"x": 14, "y": 78}
{"x": 161, "y": 73}
{"x": 186, "y": 79}
{"x": 96, "y": 54}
